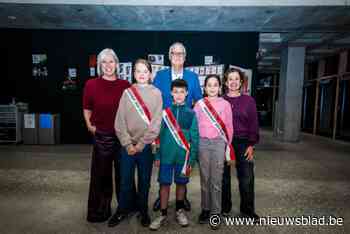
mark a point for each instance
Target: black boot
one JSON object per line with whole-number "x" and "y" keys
{"x": 204, "y": 217}
{"x": 116, "y": 219}
{"x": 145, "y": 219}
{"x": 251, "y": 215}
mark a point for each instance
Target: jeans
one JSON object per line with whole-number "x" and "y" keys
{"x": 143, "y": 161}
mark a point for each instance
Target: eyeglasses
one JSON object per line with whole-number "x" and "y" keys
{"x": 178, "y": 54}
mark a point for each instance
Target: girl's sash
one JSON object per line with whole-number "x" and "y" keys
{"x": 140, "y": 107}
{"x": 139, "y": 104}
{"x": 217, "y": 122}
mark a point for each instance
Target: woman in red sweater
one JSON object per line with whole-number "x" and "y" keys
{"x": 100, "y": 104}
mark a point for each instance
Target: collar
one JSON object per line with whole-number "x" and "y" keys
{"x": 178, "y": 75}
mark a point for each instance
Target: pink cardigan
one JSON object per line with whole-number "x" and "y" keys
{"x": 206, "y": 128}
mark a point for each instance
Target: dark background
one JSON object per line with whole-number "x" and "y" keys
{"x": 66, "y": 49}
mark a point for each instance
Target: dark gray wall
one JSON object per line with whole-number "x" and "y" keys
{"x": 72, "y": 49}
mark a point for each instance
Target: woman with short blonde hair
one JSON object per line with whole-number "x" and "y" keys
{"x": 100, "y": 104}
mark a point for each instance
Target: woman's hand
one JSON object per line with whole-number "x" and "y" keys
{"x": 249, "y": 153}
{"x": 131, "y": 149}
{"x": 92, "y": 129}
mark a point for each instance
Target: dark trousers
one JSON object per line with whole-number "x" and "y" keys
{"x": 245, "y": 176}
{"x": 106, "y": 152}
{"x": 143, "y": 161}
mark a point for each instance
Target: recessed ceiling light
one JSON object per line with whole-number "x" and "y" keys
{"x": 11, "y": 17}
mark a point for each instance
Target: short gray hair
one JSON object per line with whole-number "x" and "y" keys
{"x": 102, "y": 55}
{"x": 177, "y": 44}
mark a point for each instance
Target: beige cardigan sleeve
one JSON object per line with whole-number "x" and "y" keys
{"x": 120, "y": 122}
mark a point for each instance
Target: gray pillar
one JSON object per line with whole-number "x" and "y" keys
{"x": 288, "y": 115}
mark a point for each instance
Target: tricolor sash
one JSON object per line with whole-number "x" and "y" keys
{"x": 140, "y": 107}
{"x": 217, "y": 122}
{"x": 139, "y": 104}
{"x": 179, "y": 137}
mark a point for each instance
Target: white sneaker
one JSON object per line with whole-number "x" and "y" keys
{"x": 158, "y": 222}
{"x": 181, "y": 218}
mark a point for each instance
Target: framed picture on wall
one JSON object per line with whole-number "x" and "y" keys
{"x": 156, "y": 59}
{"x": 207, "y": 70}
{"x": 220, "y": 69}
{"x": 214, "y": 70}
{"x": 125, "y": 71}
{"x": 201, "y": 80}
{"x": 39, "y": 66}
{"x": 202, "y": 71}
{"x": 121, "y": 68}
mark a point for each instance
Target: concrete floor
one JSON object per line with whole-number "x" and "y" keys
{"x": 43, "y": 189}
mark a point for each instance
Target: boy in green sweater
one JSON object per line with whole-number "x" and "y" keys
{"x": 177, "y": 154}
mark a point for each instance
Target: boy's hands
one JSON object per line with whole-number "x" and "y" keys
{"x": 157, "y": 163}
{"x": 188, "y": 170}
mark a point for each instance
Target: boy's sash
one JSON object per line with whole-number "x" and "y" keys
{"x": 217, "y": 122}
{"x": 179, "y": 137}
{"x": 140, "y": 107}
